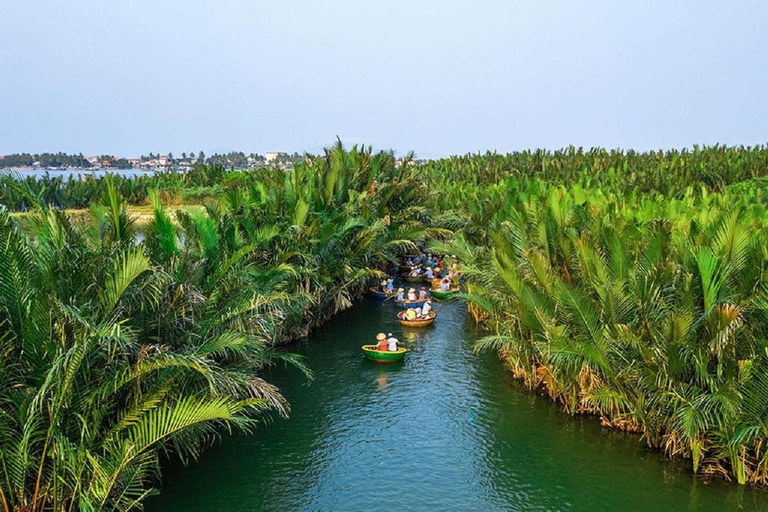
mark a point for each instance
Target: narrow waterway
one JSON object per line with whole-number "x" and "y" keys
{"x": 445, "y": 430}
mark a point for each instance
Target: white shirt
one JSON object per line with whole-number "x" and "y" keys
{"x": 426, "y": 309}
{"x": 392, "y": 344}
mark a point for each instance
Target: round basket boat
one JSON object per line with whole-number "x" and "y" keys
{"x": 383, "y": 356}
{"x": 411, "y": 304}
{"x": 444, "y": 295}
{"x": 418, "y": 322}
{"x": 376, "y": 294}
{"x": 413, "y": 279}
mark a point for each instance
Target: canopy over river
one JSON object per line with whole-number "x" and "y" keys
{"x": 445, "y": 430}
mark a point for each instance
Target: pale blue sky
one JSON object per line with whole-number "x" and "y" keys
{"x": 127, "y": 77}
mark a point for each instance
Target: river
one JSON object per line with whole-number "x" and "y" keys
{"x": 445, "y": 430}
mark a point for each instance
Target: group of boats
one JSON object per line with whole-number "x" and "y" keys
{"x": 372, "y": 352}
{"x": 437, "y": 272}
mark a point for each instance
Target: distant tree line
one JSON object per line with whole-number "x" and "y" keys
{"x": 234, "y": 159}
{"x": 44, "y": 160}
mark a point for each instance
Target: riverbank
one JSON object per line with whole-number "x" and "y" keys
{"x": 646, "y": 311}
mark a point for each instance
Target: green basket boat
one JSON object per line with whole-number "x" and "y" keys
{"x": 444, "y": 295}
{"x": 383, "y": 356}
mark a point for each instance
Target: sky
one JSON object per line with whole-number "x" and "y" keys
{"x": 130, "y": 77}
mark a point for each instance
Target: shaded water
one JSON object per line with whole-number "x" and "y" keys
{"x": 445, "y": 430}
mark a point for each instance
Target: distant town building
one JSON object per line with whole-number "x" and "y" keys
{"x": 93, "y": 160}
{"x": 272, "y": 156}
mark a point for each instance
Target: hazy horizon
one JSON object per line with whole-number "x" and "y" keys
{"x": 130, "y": 78}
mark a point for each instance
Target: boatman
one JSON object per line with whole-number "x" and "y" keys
{"x": 392, "y": 343}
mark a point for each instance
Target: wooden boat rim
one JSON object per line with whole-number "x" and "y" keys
{"x": 431, "y": 316}
{"x": 372, "y": 348}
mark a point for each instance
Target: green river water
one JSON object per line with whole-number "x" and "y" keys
{"x": 445, "y": 430}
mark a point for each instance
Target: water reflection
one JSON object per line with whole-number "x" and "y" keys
{"x": 382, "y": 381}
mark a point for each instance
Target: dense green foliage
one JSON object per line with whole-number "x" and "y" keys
{"x": 115, "y": 351}
{"x": 647, "y": 309}
{"x": 667, "y": 172}
{"x": 627, "y": 285}
{"x": 20, "y": 193}
{"x": 45, "y": 160}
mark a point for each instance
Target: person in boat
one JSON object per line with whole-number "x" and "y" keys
{"x": 426, "y": 309}
{"x": 445, "y": 285}
{"x": 410, "y": 314}
{"x": 400, "y": 295}
{"x": 392, "y": 343}
{"x": 423, "y": 293}
{"x": 438, "y": 272}
{"x": 381, "y": 341}
{"x": 390, "y": 286}
{"x": 429, "y": 274}
{"x": 411, "y": 294}
{"x": 383, "y": 286}
{"x": 415, "y": 272}
{"x": 417, "y": 312}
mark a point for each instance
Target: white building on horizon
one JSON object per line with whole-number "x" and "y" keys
{"x": 271, "y": 156}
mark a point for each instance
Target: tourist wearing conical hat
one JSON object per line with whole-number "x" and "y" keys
{"x": 400, "y": 295}
{"x": 411, "y": 294}
{"x": 381, "y": 340}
